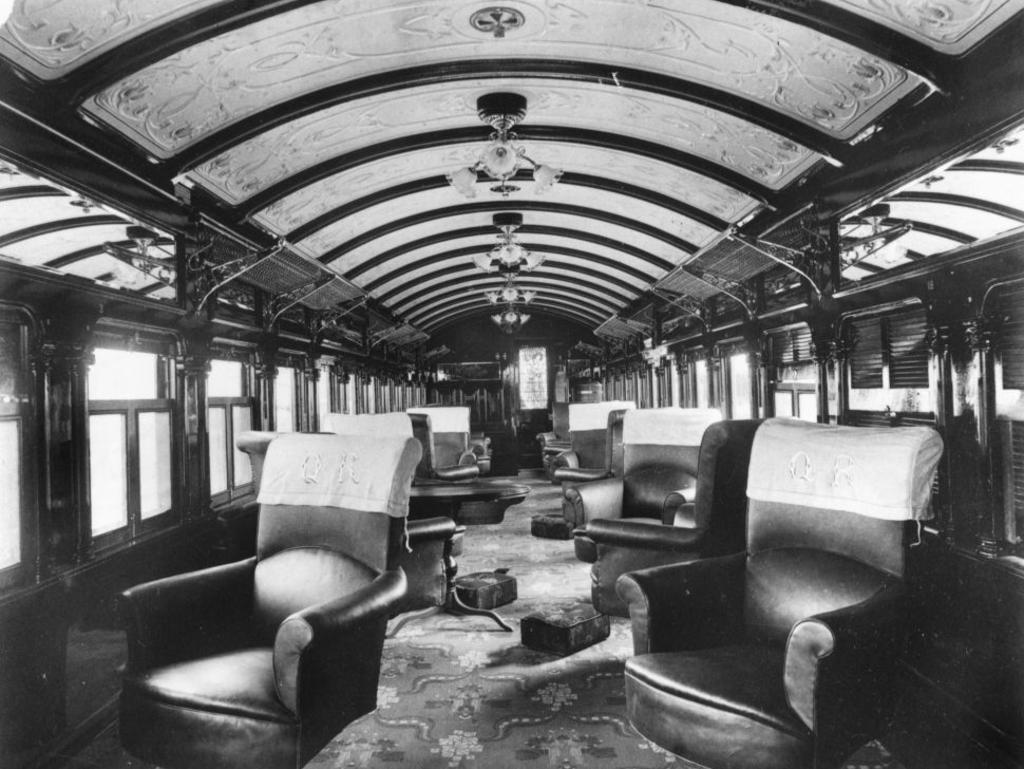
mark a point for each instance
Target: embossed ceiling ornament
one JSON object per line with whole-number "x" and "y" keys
{"x": 497, "y": 20}
{"x": 51, "y": 38}
{"x": 949, "y": 26}
{"x": 254, "y": 165}
{"x": 821, "y": 81}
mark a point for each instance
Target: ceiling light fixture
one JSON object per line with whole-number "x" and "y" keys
{"x": 508, "y": 256}
{"x": 510, "y": 319}
{"x": 503, "y": 156}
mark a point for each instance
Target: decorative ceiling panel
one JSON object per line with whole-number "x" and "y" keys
{"x": 1003, "y": 188}
{"x": 205, "y": 87}
{"x": 317, "y": 198}
{"x": 41, "y": 249}
{"x": 656, "y": 248}
{"x": 254, "y": 165}
{"x": 20, "y": 213}
{"x": 50, "y": 38}
{"x": 970, "y": 221}
{"x": 370, "y": 219}
{"x": 951, "y": 27}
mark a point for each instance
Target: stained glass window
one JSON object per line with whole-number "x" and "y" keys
{"x": 533, "y": 378}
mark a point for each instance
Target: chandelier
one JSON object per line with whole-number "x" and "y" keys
{"x": 508, "y": 256}
{"x": 510, "y": 319}
{"x": 503, "y": 156}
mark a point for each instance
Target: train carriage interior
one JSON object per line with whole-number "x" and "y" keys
{"x": 227, "y": 218}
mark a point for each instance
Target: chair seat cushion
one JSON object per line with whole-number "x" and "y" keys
{"x": 723, "y": 701}
{"x": 239, "y": 683}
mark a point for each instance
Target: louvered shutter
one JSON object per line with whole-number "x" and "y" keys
{"x": 791, "y": 347}
{"x": 866, "y": 359}
{"x": 1011, "y": 337}
{"x": 908, "y": 350}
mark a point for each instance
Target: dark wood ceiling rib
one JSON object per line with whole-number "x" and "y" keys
{"x": 438, "y": 295}
{"x": 437, "y": 325}
{"x": 443, "y": 316}
{"x": 989, "y": 165}
{"x": 31, "y": 191}
{"x": 86, "y": 253}
{"x": 613, "y": 288}
{"x": 57, "y": 225}
{"x": 496, "y": 205}
{"x": 568, "y": 179}
{"x": 931, "y": 229}
{"x": 946, "y": 198}
{"x": 526, "y": 230}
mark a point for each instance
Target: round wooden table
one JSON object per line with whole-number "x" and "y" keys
{"x": 474, "y": 502}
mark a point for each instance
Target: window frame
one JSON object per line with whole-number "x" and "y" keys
{"x": 135, "y": 526}
{"x": 18, "y": 408}
{"x": 234, "y": 491}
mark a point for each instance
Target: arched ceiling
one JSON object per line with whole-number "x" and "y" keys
{"x": 329, "y": 127}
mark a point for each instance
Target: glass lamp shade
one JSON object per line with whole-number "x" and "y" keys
{"x": 509, "y": 293}
{"x": 509, "y": 254}
{"x": 528, "y": 296}
{"x": 532, "y": 260}
{"x": 510, "y": 316}
{"x": 545, "y": 177}
{"x": 464, "y": 181}
{"x": 500, "y": 160}
{"x": 483, "y": 261}
{"x": 492, "y": 296}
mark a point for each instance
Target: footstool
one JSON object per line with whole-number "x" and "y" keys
{"x": 486, "y": 589}
{"x": 566, "y": 630}
{"x": 550, "y": 527}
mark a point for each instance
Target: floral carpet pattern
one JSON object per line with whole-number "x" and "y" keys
{"x": 457, "y": 692}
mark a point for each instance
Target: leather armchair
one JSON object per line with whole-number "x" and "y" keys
{"x": 432, "y": 542}
{"x": 480, "y": 445}
{"x": 259, "y": 663}
{"x": 443, "y": 432}
{"x": 595, "y": 430}
{"x": 783, "y": 656}
{"x": 658, "y": 526}
{"x": 556, "y": 440}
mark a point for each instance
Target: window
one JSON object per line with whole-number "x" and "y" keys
{"x": 130, "y": 443}
{"x": 284, "y": 400}
{"x": 14, "y": 413}
{"x": 533, "y": 378}
{"x": 676, "y": 385}
{"x": 890, "y": 366}
{"x": 739, "y": 386}
{"x": 229, "y": 412}
{"x": 794, "y": 385}
{"x": 700, "y": 373}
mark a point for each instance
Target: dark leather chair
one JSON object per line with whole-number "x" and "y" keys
{"x": 480, "y": 445}
{"x": 259, "y": 663}
{"x": 654, "y": 525}
{"x": 443, "y": 432}
{"x": 595, "y": 430}
{"x": 433, "y": 543}
{"x": 783, "y": 656}
{"x": 556, "y": 440}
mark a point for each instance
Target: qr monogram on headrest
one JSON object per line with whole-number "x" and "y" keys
{"x": 313, "y": 465}
{"x": 802, "y": 469}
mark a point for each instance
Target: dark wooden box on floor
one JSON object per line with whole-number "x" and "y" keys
{"x": 486, "y": 589}
{"x": 552, "y": 526}
{"x": 564, "y": 631}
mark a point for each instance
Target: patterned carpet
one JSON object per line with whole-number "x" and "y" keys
{"x": 457, "y": 692}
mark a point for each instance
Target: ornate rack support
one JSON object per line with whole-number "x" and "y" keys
{"x": 765, "y": 249}
{"x": 157, "y": 269}
{"x": 684, "y": 303}
{"x": 246, "y": 264}
{"x": 730, "y": 288}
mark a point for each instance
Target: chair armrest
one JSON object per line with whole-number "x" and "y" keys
{"x": 565, "y": 459}
{"x": 685, "y": 606}
{"x": 188, "y": 615}
{"x": 333, "y": 649}
{"x": 643, "y": 535}
{"x": 601, "y": 498}
{"x": 843, "y": 662}
{"x": 579, "y": 474}
{"x": 467, "y": 458}
{"x": 460, "y": 472}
